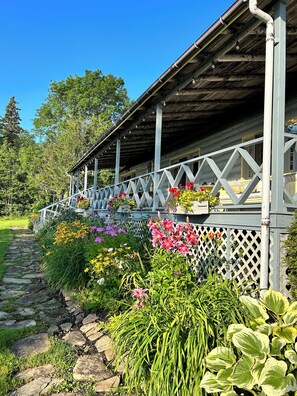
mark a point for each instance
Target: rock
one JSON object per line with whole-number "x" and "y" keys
{"x": 103, "y": 343}
{"x": 54, "y": 382}
{"x": 25, "y": 311}
{"x": 67, "y": 294}
{"x": 90, "y": 318}
{"x": 13, "y": 324}
{"x": 32, "y": 388}
{"x": 91, "y": 368}
{"x": 75, "y": 338}
{"x": 109, "y": 353}
{"x": 88, "y": 327}
{"x": 94, "y": 336}
{"x": 33, "y": 276}
{"x": 18, "y": 281}
{"x": 108, "y": 384}
{"x": 5, "y": 295}
{"x": 46, "y": 370}
{"x": 52, "y": 329}
{"x": 4, "y": 315}
{"x": 31, "y": 345}
{"x": 66, "y": 326}
{"x": 79, "y": 318}
{"x": 7, "y": 323}
{"x": 34, "y": 298}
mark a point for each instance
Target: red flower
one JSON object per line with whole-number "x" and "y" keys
{"x": 176, "y": 194}
{"x": 173, "y": 189}
{"x": 202, "y": 189}
{"x": 189, "y": 185}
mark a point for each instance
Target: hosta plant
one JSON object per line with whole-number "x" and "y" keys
{"x": 262, "y": 358}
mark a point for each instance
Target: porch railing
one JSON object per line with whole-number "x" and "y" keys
{"x": 235, "y": 174}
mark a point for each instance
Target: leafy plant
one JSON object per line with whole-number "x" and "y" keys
{"x": 262, "y": 358}
{"x": 64, "y": 265}
{"x": 291, "y": 255}
{"x": 184, "y": 196}
{"x": 167, "y": 336}
{"x": 120, "y": 200}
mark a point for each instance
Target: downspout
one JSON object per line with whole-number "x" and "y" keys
{"x": 267, "y": 126}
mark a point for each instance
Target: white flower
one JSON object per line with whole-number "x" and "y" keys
{"x": 120, "y": 266}
{"x": 110, "y": 250}
{"x": 100, "y": 281}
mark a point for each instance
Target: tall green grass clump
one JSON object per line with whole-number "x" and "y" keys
{"x": 172, "y": 326}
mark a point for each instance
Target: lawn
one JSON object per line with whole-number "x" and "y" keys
{"x": 6, "y": 236}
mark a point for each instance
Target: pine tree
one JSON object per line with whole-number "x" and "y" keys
{"x": 10, "y": 128}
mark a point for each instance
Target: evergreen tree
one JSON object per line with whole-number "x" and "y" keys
{"x": 10, "y": 128}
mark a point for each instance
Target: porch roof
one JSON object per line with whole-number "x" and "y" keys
{"x": 218, "y": 80}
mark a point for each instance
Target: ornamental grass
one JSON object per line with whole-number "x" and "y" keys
{"x": 166, "y": 338}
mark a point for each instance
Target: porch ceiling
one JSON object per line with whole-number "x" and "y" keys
{"x": 218, "y": 80}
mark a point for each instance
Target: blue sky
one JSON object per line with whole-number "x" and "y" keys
{"x": 48, "y": 40}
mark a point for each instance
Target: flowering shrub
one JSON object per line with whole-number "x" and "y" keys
{"x": 120, "y": 199}
{"x": 83, "y": 203}
{"x": 68, "y": 232}
{"x": 178, "y": 238}
{"x": 184, "y": 196}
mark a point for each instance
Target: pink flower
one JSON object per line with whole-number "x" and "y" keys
{"x": 140, "y": 293}
{"x": 168, "y": 225}
{"x": 167, "y": 244}
{"x": 192, "y": 237}
{"x": 183, "y": 249}
{"x": 98, "y": 240}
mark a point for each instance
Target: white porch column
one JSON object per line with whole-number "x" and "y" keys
{"x": 71, "y": 186}
{"x": 77, "y": 183}
{"x": 118, "y": 160}
{"x": 86, "y": 178}
{"x": 157, "y": 160}
{"x": 95, "y": 175}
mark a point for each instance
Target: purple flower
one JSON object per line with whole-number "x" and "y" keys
{"x": 99, "y": 229}
{"x": 120, "y": 230}
{"x": 98, "y": 240}
{"x": 93, "y": 228}
{"x": 109, "y": 228}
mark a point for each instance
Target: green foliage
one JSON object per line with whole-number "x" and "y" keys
{"x": 291, "y": 255}
{"x": 10, "y": 128}
{"x": 166, "y": 340}
{"x": 64, "y": 266}
{"x": 262, "y": 358}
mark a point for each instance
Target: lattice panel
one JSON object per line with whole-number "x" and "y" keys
{"x": 232, "y": 253}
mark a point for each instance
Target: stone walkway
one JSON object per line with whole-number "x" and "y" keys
{"x": 25, "y": 301}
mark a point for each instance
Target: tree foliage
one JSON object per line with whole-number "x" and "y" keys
{"x": 10, "y": 127}
{"x": 95, "y": 99}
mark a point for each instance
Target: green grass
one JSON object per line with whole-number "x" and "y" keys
{"x": 6, "y": 236}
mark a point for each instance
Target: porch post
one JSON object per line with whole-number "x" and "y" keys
{"x": 71, "y": 186}
{"x": 77, "y": 182}
{"x": 95, "y": 175}
{"x": 157, "y": 160}
{"x": 118, "y": 160}
{"x": 277, "y": 199}
{"x": 86, "y": 178}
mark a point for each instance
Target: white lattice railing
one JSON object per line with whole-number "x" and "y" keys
{"x": 222, "y": 169}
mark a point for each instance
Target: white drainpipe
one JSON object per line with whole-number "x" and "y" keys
{"x": 268, "y": 96}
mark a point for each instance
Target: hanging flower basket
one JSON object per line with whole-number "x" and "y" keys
{"x": 198, "y": 208}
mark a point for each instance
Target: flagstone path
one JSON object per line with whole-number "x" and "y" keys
{"x": 25, "y": 301}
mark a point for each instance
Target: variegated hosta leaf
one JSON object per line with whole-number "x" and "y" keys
{"x": 257, "y": 370}
{"x": 231, "y": 393}
{"x": 291, "y": 383}
{"x": 254, "y": 308}
{"x": 276, "y": 346}
{"x": 290, "y": 318}
{"x": 275, "y": 302}
{"x": 291, "y": 356}
{"x": 210, "y": 383}
{"x": 296, "y": 346}
{"x": 264, "y": 329}
{"x": 293, "y": 306}
{"x": 223, "y": 375}
{"x": 242, "y": 373}
{"x": 234, "y": 328}
{"x": 272, "y": 379}
{"x": 220, "y": 358}
{"x": 287, "y": 333}
{"x": 252, "y": 343}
